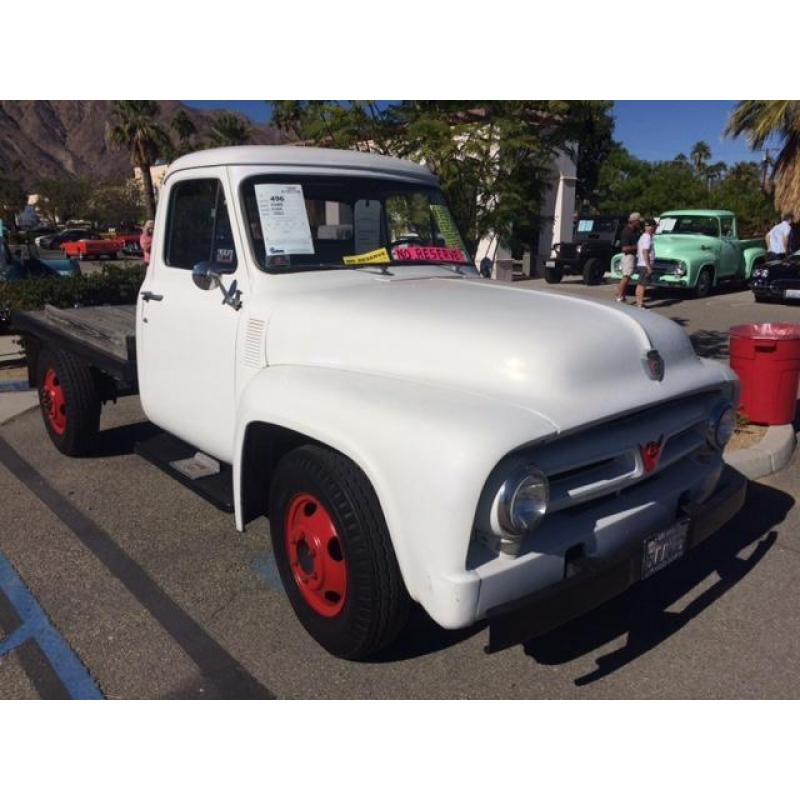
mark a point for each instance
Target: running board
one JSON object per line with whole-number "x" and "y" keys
{"x": 182, "y": 461}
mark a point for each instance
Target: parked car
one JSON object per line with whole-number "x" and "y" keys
{"x": 698, "y": 249}
{"x": 778, "y": 279}
{"x": 316, "y": 346}
{"x": 84, "y": 249}
{"x": 54, "y": 241}
{"x": 589, "y": 253}
{"x": 21, "y": 263}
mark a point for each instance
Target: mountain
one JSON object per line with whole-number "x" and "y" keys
{"x": 53, "y": 138}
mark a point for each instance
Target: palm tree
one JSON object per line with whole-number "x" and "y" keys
{"x": 762, "y": 120}
{"x": 228, "y": 130}
{"x": 134, "y": 125}
{"x": 184, "y": 128}
{"x": 699, "y": 155}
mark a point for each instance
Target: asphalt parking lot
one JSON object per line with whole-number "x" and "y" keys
{"x": 116, "y": 581}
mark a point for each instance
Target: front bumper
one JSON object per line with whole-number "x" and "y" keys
{"x": 658, "y": 279}
{"x": 598, "y": 580}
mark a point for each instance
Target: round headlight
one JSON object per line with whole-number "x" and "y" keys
{"x": 680, "y": 269}
{"x": 721, "y": 425}
{"x": 522, "y": 500}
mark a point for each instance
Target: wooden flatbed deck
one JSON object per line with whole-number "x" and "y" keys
{"x": 104, "y": 336}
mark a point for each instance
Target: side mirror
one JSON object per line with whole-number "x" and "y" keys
{"x": 204, "y": 276}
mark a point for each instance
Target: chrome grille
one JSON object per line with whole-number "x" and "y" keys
{"x": 607, "y": 458}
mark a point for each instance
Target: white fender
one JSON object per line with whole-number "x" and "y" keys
{"x": 427, "y": 451}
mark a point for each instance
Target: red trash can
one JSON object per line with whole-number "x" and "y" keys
{"x": 766, "y": 357}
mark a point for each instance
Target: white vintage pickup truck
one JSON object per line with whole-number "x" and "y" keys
{"x": 317, "y": 347}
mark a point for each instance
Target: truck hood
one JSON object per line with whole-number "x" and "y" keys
{"x": 684, "y": 246}
{"x": 570, "y": 361}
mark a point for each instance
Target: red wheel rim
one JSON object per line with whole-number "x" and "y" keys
{"x": 316, "y": 557}
{"x": 53, "y": 402}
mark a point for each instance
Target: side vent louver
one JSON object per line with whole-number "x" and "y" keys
{"x": 254, "y": 349}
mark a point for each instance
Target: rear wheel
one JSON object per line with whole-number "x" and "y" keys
{"x": 704, "y": 282}
{"x": 334, "y": 555}
{"x": 69, "y": 402}
{"x": 554, "y": 275}
{"x": 593, "y": 271}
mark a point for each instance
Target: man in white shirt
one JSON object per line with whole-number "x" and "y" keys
{"x": 645, "y": 257}
{"x": 778, "y": 238}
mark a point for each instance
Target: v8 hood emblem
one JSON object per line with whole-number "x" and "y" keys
{"x": 651, "y": 454}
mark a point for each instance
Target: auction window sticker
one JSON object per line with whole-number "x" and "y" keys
{"x": 447, "y": 226}
{"x": 284, "y": 219}
{"x": 666, "y": 225}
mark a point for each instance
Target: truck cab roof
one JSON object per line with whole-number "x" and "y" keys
{"x": 699, "y": 212}
{"x": 304, "y": 158}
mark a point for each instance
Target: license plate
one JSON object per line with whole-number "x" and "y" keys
{"x": 792, "y": 293}
{"x": 549, "y": 264}
{"x": 663, "y": 548}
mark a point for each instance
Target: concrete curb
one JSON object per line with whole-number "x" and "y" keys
{"x": 770, "y": 455}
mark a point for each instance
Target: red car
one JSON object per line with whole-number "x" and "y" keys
{"x": 92, "y": 248}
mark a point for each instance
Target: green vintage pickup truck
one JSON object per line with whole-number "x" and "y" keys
{"x": 698, "y": 249}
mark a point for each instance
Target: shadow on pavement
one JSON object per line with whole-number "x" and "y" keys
{"x": 642, "y": 612}
{"x": 122, "y": 440}
{"x": 707, "y": 343}
{"x": 421, "y": 637}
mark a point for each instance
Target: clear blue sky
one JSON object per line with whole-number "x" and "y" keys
{"x": 655, "y": 130}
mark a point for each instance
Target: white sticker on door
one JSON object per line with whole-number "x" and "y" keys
{"x": 284, "y": 220}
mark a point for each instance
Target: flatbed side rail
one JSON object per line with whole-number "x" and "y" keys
{"x": 77, "y": 335}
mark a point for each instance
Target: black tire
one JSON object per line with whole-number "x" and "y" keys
{"x": 375, "y": 605}
{"x": 554, "y": 275}
{"x": 705, "y": 283}
{"x": 593, "y": 272}
{"x": 81, "y": 407}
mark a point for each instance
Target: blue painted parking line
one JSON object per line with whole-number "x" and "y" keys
{"x": 14, "y": 386}
{"x": 35, "y": 625}
{"x": 265, "y": 567}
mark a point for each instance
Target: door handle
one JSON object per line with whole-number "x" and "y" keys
{"x": 152, "y": 296}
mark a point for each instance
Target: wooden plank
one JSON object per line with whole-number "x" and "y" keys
{"x": 111, "y": 329}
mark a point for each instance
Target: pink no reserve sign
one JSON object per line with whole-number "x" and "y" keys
{"x": 414, "y": 253}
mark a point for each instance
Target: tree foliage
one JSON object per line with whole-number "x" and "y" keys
{"x": 494, "y": 159}
{"x": 135, "y": 126}
{"x": 629, "y": 184}
{"x": 61, "y": 199}
{"x": 13, "y": 199}
{"x": 228, "y": 130}
{"x": 763, "y": 120}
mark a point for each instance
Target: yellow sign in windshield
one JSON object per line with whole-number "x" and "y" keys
{"x": 379, "y": 256}
{"x": 447, "y": 226}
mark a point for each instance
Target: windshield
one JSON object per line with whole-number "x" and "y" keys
{"x": 304, "y": 222}
{"x": 699, "y": 226}
{"x": 588, "y": 226}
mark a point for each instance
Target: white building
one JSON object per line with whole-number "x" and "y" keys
{"x": 558, "y": 211}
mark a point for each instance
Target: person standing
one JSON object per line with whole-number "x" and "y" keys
{"x": 628, "y": 241}
{"x": 146, "y": 240}
{"x": 645, "y": 257}
{"x": 778, "y": 238}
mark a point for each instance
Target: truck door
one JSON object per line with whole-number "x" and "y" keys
{"x": 186, "y": 336}
{"x": 730, "y": 254}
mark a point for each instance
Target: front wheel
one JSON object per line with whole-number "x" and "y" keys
{"x": 593, "y": 272}
{"x": 704, "y": 281}
{"x": 69, "y": 402}
{"x": 334, "y": 554}
{"x": 554, "y": 275}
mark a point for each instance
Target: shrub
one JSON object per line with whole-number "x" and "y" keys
{"x": 112, "y": 286}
